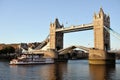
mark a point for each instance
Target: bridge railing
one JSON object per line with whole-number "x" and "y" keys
{"x": 89, "y": 26}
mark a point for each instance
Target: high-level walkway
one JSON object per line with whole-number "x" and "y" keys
{"x": 82, "y": 27}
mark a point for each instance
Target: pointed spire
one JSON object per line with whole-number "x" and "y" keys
{"x": 94, "y": 14}
{"x": 56, "y": 20}
{"x": 108, "y": 15}
{"x": 101, "y": 11}
{"x": 57, "y": 23}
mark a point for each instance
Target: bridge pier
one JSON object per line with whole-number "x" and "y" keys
{"x": 97, "y": 56}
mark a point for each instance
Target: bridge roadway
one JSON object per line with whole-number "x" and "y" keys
{"x": 68, "y": 49}
{"x": 75, "y": 28}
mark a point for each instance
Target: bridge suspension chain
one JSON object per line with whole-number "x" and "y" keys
{"x": 114, "y": 33}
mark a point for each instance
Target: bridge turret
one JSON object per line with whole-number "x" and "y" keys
{"x": 101, "y": 36}
{"x": 99, "y": 54}
{"x": 56, "y": 38}
{"x": 101, "y": 12}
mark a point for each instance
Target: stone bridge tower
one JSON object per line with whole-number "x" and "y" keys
{"x": 56, "y": 38}
{"x": 100, "y": 54}
{"x": 101, "y": 36}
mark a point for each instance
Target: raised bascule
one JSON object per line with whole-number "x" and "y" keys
{"x": 97, "y": 55}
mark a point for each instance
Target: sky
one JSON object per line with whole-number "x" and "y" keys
{"x": 24, "y": 21}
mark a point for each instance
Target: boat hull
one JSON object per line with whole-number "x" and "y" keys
{"x": 30, "y": 63}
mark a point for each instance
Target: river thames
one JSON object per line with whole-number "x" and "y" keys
{"x": 72, "y": 70}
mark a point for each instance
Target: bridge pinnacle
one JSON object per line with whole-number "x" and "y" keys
{"x": 101, "y": 11}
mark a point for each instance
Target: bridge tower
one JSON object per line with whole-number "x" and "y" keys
{"x": 56, "y": 38}
{"x": 101, "y": 36}
{"x": 100, "y": 55}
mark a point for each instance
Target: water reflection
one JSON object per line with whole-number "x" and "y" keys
{"x": 73, "y": 70}
{"x": 38, "y": 72}
{"x": 102, "y": 72}
{"x": 53, "y": 71}
{"x": 60, "y": 70}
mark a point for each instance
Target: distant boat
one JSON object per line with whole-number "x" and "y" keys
{"x": 31, "y": 59}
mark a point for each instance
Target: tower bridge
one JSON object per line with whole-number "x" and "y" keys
{"x": 97, "y": 55}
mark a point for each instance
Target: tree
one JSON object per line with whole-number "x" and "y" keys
{"x": 8, "y": 49}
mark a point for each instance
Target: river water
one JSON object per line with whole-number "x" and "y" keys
{"x": 72, "y": 70}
